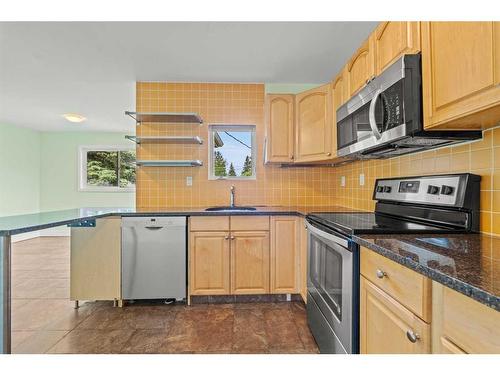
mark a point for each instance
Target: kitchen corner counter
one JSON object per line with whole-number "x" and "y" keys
{"x": 467, "y": 263}
{"x": 11, "y": 225}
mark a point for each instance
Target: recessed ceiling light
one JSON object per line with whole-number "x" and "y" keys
{"x": 73, "y": 117}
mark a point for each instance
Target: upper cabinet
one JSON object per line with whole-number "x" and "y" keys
{"x": 313, "y": 125}
{"x": 279, "y": 128}
{"x": 361, "y": 67}
{"x": 393, "y": 39}
{"x": 461, "y": 74}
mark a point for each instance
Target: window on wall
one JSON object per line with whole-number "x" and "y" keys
{"x": 107, "y": 168}
{"x": 232, "y": 152}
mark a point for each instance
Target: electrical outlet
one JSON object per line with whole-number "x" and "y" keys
{"x": 342, "y": 181}
{"x": 189, "y": 181}
{"x": 361, "y": 179}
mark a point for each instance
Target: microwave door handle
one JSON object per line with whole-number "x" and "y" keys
{"x": 371, "y": 114}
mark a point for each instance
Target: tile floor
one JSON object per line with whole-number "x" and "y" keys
{"x": 44, "y": 320}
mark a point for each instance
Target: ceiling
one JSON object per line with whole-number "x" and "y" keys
{"x": 90, "y": 68}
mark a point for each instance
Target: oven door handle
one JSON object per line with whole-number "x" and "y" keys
{"x": 330, "y": 237}
{"x": 371, "y": 115}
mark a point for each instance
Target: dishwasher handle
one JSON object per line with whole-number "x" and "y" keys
{"x": 153, "y": 227}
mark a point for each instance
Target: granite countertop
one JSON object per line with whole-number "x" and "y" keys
{"x": 10, "y": 225}
{"x": 467, "y": 263}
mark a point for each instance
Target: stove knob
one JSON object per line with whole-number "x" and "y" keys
{"x": 387, "y": 189}
{"x": 380, "y": 189}
{"x": 446, "y": 190}
{"x": 433, "y": 190}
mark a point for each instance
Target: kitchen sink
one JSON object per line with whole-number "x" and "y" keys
{"x": 231, "y": 208}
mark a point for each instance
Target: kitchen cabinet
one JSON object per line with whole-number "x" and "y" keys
{"x": 361, "y": 67}
{"x": 387, "y": 327}
{"x": 95, "y": 261}
{"x": 279, "y": 112}
{"x": 313, "y": 125}
{"x": 249, "y": 262}
{"x": 461, "y": 74}
{"x": 209, "y": 263}
{"x": 393, "y": 39}
{"x": 229, "y": 255}
{"x": 285, "y": 253}
{"x": 461, "y": 325}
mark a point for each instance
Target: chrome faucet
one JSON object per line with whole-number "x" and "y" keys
{"x": 232, "y": 196}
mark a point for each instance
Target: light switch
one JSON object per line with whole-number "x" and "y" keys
{"x": 189, "y": 181}
{"x": 361, "y": 179}
{"x": 342, "y": 181}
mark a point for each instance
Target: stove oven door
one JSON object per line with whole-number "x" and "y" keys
{"x": 330, "y": 275}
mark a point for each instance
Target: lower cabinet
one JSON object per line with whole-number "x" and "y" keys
{"x": 244, "y": 255}
{"x": 386, "y": 326}
{"x": 209, "y": 263}
{"x": 249, "y": 262}
{"x": 95, "y": 261}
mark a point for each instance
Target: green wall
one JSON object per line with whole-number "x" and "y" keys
{"x": 19, "y": 170}
{"x": 39, "y": 171}
{"x": 59, "y": 176}
{"x": 289, "y": 88}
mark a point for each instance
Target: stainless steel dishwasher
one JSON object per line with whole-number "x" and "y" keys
{"x": 154, "y": 258}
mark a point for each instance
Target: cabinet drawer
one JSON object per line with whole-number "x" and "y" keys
{"x": 249, "y": 223}
{"x": 408, "y": 287}
{"x": 209, "y": 223}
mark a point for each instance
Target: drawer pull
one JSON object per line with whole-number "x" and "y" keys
{"x": 381, "y": 274}
{"x": 232, "y": 237}
{"x": 412, "y": 336}
{"x": 226, "y": 237}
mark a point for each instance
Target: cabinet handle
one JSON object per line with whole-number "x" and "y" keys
{"x": 232, "y": 237}
{"x": 412, "y": 336}
{"x": 328, "y": 154}
{"x": 381, "y": 274}
{"x": 226, "y": 237}
{"x": 291, "y": 157}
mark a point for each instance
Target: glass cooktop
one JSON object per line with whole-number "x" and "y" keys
{"x": 372, "y": 223}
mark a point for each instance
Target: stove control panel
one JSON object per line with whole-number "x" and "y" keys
{"x": 442, "y": 190}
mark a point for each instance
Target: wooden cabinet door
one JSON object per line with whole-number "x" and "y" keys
{"x": 95, "y": 264}
{"x": 447, "y": 347}
{"x": 393, "y": 39}
{"x": 209, "y": 263}
{"x": 386, "y": 325}
{"x": 339, "y": 97}
{"x": 313, "y": 125}
{"x": 279, "y": 128}
{"x": 360, "y": 68}
{"x": 250, "y": 262}
{"x": 285, "y": 239}
{"x": 461, "y": 73}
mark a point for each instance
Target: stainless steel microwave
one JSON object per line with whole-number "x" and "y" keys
{"x": 385, "y": 117}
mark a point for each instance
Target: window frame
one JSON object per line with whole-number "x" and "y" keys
{"x": 231, "y": 127}
{"x": 82, "y": 169}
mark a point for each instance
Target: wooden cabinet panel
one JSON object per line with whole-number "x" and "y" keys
{"x": 313, "y": 125}
{"x": 360, "y": 68}
{"x": 406, "y": 286}
{"x": 460, "y": 68}
{"x": 447, "y": 347}
{"x": 339, "y": 97}
{"x": 250, "y": 262}
{"x": 285, "y": 238}
{"x": 387, "y": 326}
{"x": 209, "y": 263}
{"x": 95, "y": 261}
{"x": 251, "y": 223}
{"x": 393, "y": 39}
{"x": 208, "y": 223}
{"x": 279, "y": 128}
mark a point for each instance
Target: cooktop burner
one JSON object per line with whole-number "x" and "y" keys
{"x": 351, "y": 223}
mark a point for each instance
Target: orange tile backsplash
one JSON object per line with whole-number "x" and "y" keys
{"x": 217, "y": 103}
{"x": 227, "y": 103}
